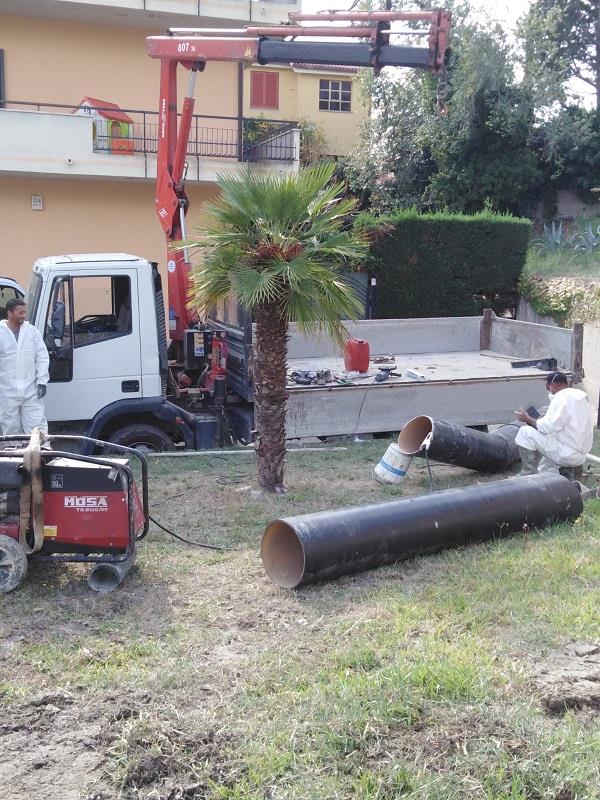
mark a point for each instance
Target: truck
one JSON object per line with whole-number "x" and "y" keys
{"x": 115, "y": 376}
{"x": 102, "y": 318}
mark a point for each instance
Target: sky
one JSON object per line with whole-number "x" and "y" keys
{"x": 506, "y": 12}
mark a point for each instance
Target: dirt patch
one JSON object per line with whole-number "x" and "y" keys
{"x": 571, "y": 679}
{"x": 48, "y": 744}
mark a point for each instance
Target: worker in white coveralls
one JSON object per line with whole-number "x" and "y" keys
{"x": 563, "y": 436}
{"x": 23, "y": 372}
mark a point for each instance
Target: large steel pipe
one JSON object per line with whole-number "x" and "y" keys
{"x": 463, "y": 447}
{"x": 306, "y": 549}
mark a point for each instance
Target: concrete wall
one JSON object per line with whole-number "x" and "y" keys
{"x": 83, "y": 216}
{"x": 591, "y": 364}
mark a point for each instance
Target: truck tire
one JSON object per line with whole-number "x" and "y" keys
{"x": 13, "y": 564}
{"x": 146, "y": 438}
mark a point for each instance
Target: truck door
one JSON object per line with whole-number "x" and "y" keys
{"x": 92, "y": 334}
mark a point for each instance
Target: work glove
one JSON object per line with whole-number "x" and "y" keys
{"x": 41, "y": 390}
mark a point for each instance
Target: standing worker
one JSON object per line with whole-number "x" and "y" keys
{"x": 563, "y": 436}
{"x": 23, "y": 373}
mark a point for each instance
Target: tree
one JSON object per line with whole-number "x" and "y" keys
{"x": 278, "y": 243}
{"x": 570, "y": 151}
{"x": 481, "y": 145}
{"x": 456, "y": 142}
{"x": 561, "y": 41}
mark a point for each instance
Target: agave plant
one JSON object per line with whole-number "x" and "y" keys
{"x": 554, "y": 239}
{"x": 588, "y": 241}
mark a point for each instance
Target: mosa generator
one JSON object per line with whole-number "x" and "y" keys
{"x": 63, "y": 506}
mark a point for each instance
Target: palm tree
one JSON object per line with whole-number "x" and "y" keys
{"x": 278, "y": 243}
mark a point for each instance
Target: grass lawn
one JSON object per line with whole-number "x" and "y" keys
{"x": 563, "y": 263}
{"x": 198, "y": 679}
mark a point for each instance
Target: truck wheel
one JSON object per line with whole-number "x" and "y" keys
{"x": 13, "y": 564}
{"x": 146, "y": 438}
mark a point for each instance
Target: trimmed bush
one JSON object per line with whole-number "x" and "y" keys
{"x": 433, "y": 265}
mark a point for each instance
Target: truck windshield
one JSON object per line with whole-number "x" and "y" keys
{"x": 33, "y": 296}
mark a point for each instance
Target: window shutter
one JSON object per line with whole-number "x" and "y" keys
{"x": 271, "y": 89}
{"x": 264, "y": 89}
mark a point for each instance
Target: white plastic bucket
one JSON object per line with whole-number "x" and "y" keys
{"x": 393, "y": 465}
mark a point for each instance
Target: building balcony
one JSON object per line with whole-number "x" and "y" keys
{"x": 156, "y": 15}
{"x": 39, "y": 139}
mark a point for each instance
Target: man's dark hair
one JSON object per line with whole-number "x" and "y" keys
{"x": 13, "y": 303}
{"x": 557, "y": 377}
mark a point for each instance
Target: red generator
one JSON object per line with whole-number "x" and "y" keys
{"x": 63, "y": 506}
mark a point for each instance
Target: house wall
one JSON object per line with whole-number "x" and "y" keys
{"x": 299, "y": 100}
{"x": 341, "y": 128}
{"x": 62, "y": 62}
{"x": 84, "y": 216}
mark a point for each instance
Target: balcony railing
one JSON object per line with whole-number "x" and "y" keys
{"x": 243, "y": 139}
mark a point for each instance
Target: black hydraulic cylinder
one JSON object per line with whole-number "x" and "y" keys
{"x": 460, "y": 446}
{"x": 351, "y": 54}
{"x": 306, "y": 549}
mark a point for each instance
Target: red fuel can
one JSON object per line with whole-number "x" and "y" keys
{"x": 356, "y": 355}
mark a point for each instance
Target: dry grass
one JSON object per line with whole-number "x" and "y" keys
{"x": 199, "y": 679}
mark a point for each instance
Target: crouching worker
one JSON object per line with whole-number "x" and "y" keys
{"x": 23, "y": 373}
{"x": 563, "y": 436}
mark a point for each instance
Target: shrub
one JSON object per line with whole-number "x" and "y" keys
{"x": 444, "y": 264}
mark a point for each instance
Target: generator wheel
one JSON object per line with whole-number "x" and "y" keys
{"x": 13, "y": 564}
{"x": 146, "y": 438}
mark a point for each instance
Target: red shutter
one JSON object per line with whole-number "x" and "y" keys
{"x": 264, "y": 89}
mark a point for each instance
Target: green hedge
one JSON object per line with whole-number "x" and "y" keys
{"x": 431, "y": 265}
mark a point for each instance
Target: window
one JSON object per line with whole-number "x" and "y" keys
{"x": 57, "y": 332}
{"x": 102, "y": 308}
{"x": 335, "y": 95}
{"x": 264, "y": 89}
{"x": 7, "y": 293}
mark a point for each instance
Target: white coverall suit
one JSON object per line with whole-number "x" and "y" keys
{"x": 23, "y": 366}
{"x": 564, "y": 435}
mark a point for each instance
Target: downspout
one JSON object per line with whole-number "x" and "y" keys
{"x": 240, "y": 110}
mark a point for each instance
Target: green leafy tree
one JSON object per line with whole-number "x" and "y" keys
{"x": 561, "y": 41}
{"x": 452, "y": 142}
{"x": 481, "y": 145}
{"x": 570, "y": 151}
{"x": 278, "y": 243}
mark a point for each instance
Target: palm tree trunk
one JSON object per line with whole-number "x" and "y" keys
{"x": 270, "y": 395}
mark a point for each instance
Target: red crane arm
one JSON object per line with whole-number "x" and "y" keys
{"x": 192, "y": 48}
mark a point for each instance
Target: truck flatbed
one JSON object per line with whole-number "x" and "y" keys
{"x": 454, "y": 366}
{"x": 466, "y": 363}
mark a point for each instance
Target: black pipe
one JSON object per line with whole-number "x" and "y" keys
{"x": 463, "y": 447}
{"x": 306, "y": 549}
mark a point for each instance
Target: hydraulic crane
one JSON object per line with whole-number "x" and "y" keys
{"x": 283, "y": 44}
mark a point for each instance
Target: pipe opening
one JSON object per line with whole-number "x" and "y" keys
{"x": 413, "y": 434}
{"x": 104, "y": 578}
{"x": 282, "y": 554}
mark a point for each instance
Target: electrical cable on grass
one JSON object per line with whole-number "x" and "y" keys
{"x": 182, "y": 539}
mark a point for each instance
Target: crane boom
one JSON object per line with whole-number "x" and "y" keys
{"x": 284, "y": 44}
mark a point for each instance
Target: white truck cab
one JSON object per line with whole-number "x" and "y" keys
{"x": 102, "y": 319}
{"x": 91, "y": 310}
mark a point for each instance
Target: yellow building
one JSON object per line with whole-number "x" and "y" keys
{"x": 326, "y": 97}
{"x": 84, "y": 181}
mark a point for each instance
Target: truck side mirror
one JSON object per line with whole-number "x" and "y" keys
{"x": 58, "y": 323}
